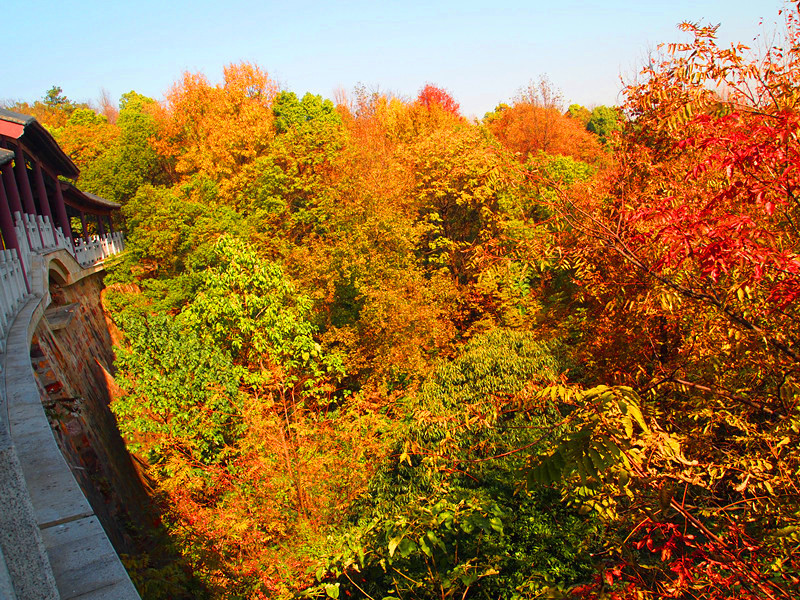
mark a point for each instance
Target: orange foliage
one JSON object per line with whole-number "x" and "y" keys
{"x": 527, "y": 128}
{"x": 85, "y": 142}
{"x": 213, "y": 130}
{"x": 248, "y": 525}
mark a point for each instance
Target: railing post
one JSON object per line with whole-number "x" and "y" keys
{"x": 24, "y": 249}
{"x": 16, "y": 282}
{"x": 7, "y": 293}
{"x": 34, "y": 234}
{"x": 14, "y": 287}
{"x": 46, "y": 228}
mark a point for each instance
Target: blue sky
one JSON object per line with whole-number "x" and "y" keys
{"x": 482, "y": 52}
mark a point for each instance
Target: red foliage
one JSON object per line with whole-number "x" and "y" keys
{"x": 722, "y": 217}
{"x": 700, "y": 568}
{"x": 431, "y": 96}
{"x": 692, "y": 278}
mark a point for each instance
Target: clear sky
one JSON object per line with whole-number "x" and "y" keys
{"x": 482, "y": 52}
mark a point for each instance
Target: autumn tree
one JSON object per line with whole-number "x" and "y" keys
{"x": 687, "y": 287}
{"x": 131, "y": 161}
{"x": 212, "y": 130}
{"x": 52, "y": 111}
{"x": 431, "y": 95}
{"x": 86, "y": 136}
{"x": 535, "y": 123}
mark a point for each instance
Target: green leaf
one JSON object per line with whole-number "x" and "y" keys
{"x": 393, "y": 543}
{"x": 496, "y": 524}
{"x": 423, "y": 545}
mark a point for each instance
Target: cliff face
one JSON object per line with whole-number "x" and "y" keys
{"x": 72, "y": 357}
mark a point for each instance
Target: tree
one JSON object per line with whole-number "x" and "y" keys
{"x": 581, "y": 113}
{"x": 85, "y": 137}
{"x": 130, "y": 161}
{"x": 527, "y": 128}
{"x": 444, "y": 517}
{"x": 604, "y": 121}
{"x": 687, "y": 273}
{"x": 52, "y": 111}
{"x": 230, "y": 399}
{"x": 288, "y": 184}
{"x": 430, "y": 96}
{"x": 541, "y": 93}
{"x": 213, "y": 130}
{"x": 311, "y": 111}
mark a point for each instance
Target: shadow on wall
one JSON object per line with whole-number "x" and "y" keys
{"x": 72, "y": 356}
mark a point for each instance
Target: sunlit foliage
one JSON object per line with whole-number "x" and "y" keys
{"x": 375, "y": 350}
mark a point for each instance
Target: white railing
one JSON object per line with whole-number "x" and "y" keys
{"x": 62, "y": 242}
{"x": 37, "y": 235}
{"x": 13, "y": 292}
{"x": 22, "y": 238}
{"x": 46, "y": 229}
{"x": 31, "y": 230}
{"x": 34, "y": 237}
{"x": 98, "y": 248}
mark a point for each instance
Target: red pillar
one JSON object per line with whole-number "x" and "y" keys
{"x": 25, "y": 188}
{"x": 61, "y": 211}
{"x": 23, "y": 182}
{"x": 7, "y": 222}
{"x": 12, "y": 192}
{"x": 44, "y": 203}
{"x": 84, "y": 227}
{"x": 101, "y": 229}
{"x": 9, "y": 233}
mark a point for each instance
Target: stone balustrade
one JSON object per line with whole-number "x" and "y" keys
{"x": 13, "y": 292}
{"x": 51, "y": 544}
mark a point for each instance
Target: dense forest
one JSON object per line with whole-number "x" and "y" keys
{"x": 373, "y": 349}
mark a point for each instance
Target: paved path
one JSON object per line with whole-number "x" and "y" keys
{"x": 49, "y": 535}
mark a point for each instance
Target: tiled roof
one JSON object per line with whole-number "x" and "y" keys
{"x": 39, "y": 141}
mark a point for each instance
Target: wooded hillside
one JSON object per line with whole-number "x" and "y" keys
{"x": 373, "y": 349}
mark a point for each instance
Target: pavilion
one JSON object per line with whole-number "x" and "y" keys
{"x": 38, "y": 208}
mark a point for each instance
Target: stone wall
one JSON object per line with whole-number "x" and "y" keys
{"x": 72, "y": 357}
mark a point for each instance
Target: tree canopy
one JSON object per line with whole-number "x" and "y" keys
{"x": 372, "y": 349}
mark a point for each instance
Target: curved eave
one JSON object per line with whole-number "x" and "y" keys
{"x": 86, "y": 202}
{"x": 39, "y": 141}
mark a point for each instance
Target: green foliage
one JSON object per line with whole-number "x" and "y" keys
{"x": 564, "y": 171}
{"x": 601, "y": 435}
{"x": 604, "y": 121}
{"x": 130, "y": 161}
{"x": 182, "y": 393}
{"x": 171, "y": 242}
{"x": 445, "y": 516}
{"x": 286, "y": 187}
{"x": 85, "y": 117}
{"x": 495, "y": 114}
{"x": 311, "y": 113}
{"x": 55, "y": 97}
{"x": 581, "y": 113}
{"x": 499, "y": 363}
{"x": 249, "y": 308}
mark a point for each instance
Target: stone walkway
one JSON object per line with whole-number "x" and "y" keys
{"x": 49, "y": 536}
